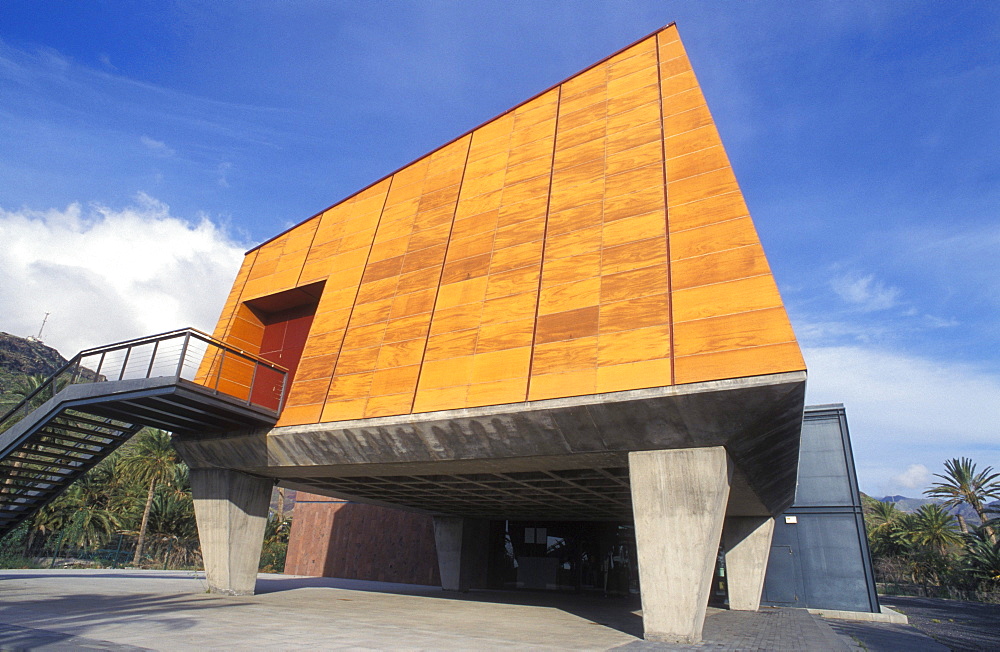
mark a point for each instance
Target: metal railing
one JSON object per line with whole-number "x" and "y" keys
{"x": 185, "y": 354}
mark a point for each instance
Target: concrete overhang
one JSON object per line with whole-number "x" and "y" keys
{"x": 559, "y": 458}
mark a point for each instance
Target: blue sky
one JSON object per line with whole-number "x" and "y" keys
{"x": 144, "y": 145}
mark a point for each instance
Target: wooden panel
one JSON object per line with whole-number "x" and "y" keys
{"x": 573, "y": 243}
{"x": 756, "y": 361}
{"x": 635, "y": 312}
{"x": 697, "y": 162}
{"x": 715, "y": 237}
{"x": 718, "y": 299}
{"x": 739, "y": 331}
{"x": 573, "y": 268}
{"x": 701, "y": 186}
{"x": 440, "y": 290}
{"x": 484, "y": 316}
{"x": 384, "y": 406}
{"x": 718, "y": 267}
{"x": 506, "y": 335}
{"x": 516, "y": 257}
{"x": 446, "y": 373}
{"x": 571, "y": 324}
{"x": 635, "y": 157}
{"x": 716, "y": 208}
{"x": 446, "y": 398}
{"x": 632, "y": 229}
{"x": 497, "y": 393}
{"x": 501, "y": 365}
{"x": 410, "y": 243}
{"x": 634, "y": 284}
{"x": 634, "y": 375}
{"x": 569, "y": 296}
{"x": 582, "y": 217}
{"x": 560, "y": 357}
{"x": 451, "y": 344}
{"x": 634, "y": 255}
{"x": 573, "y": 383}
{"x": 638, "y": 202}
{"x": 632, "y": 346}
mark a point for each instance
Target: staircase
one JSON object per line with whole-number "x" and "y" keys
{"x": 183, "y": 381}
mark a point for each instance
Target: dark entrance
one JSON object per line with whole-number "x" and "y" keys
{"x": 287, "y": 318}
{"x": 576, "y": 556}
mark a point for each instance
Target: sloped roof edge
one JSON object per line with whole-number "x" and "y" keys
{"x": 464, "y": 134}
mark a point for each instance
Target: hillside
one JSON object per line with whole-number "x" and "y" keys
{"x": 905, "y": 504}
{"x": 20, "y": 357}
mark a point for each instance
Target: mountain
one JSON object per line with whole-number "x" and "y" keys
{"x": 21, "y": 356}
{"x": 905, "y": 504}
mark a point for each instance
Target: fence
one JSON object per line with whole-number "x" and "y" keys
{"x": 185, "y": 354}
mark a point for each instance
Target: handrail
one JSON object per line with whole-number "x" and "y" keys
{"x": 81, "y": 374}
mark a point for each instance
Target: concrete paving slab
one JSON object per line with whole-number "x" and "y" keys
{"x": 64, "y": 609}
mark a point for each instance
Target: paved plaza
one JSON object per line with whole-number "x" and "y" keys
{"x": 170, "y": 610}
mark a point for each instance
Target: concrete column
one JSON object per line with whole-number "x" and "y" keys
{"x": 679, "y": 504}
{"x": 747, "y": 542}
{"x": 231, "y": 510}
{"x": 462, "y": 547}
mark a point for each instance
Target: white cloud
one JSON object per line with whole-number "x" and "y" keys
{"x": 865, "y": 292}
{"x": 157, "y": 147}
{"x": 904, "y": 411}
{"x": 916, "y": 476}
{"x": 108, "y": 275}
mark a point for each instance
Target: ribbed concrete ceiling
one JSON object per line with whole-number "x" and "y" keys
{"x": 569, "y": 494}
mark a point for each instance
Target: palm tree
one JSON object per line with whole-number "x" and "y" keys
{"x": 982, "y": 558}
{"x": 92, "y": 523}
{"x": 885, "y": 528}
{"x": 22, "y": 388}
{"x": 934, "y": 528}
{"x": 150, "y": 459}
{"x": 963, "y": 484}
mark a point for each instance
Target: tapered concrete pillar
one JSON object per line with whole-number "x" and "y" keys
{"x": 747, "y": 543}
{"x": 231, "y": 510}
{"x": 462, "y": 546}
{"x": 679, "y": 503}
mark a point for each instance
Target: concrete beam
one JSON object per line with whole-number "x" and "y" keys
{"x": 462, "y": 547}
{"x": 231, "y": 510}
{"x": 679, "y": 503}
{"x": 747, "y": 543}
{"x": 757, "y": 419}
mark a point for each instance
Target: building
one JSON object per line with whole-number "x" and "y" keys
{"x": 563, "y": 316}
{"x": 819, "y": 554}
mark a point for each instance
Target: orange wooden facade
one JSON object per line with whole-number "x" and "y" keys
{"x": 593, "y": 239}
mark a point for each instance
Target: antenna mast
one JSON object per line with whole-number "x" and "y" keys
{"x": 39, "y": 337}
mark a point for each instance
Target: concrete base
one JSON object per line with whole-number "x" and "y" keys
{"x": 747, "y": 543}
{"x": 679, "y": 502}
{"x": 231, "y": 510}
{"x": 462, "y": 548}
{"x": 886, "y": 616}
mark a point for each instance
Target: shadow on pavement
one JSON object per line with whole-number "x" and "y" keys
{"x": 614, "y": 612}
{"x": 958, "y": 625}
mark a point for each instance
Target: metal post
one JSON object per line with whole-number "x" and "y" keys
{"x": 253, "y": 380}
{"x": 128, "y": 352}
{"x": 118, "y": 550}
{"x": 152, "y": 359}
{"x": 58, "y": 546}
{"x": 281, "y": 399}
{"x": 184, "y": 348}
{"x": 218, "y": 376}
{"x": 97, "y": 374}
